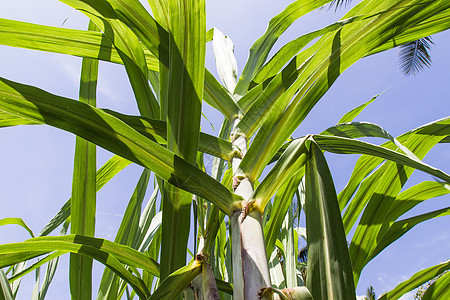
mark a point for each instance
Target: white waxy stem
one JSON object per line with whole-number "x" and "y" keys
{"x": 250, "y": 266}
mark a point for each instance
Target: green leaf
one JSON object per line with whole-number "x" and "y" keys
{"x": 219, "y": 97}
{"x": 112, "y": 134}
{"x": 348, "y": 117}
{"x": 273, "y": 99}
{"x": 365, "y": 129}
{"x": 435, "y": 23}
{"x": 440, "y": 289}
{"x": 409, "y": 198}
{"x": 37, "y": 264}
{"x": 16, "y": 221}
{"x": 378, "y": 197}
{"x": 399, "y": 228}
{"x": 351, "y": 146}
{"x": 186, "y": 76}
{"x": 115, "y": 15}
{"x": 277, "y": 25}
{"x": 281, "y": 203}
{"x": 117, "y": 20}
{"x": 429, "y": 133}
{"x": 288, "y": 51}
{"x": 156, "y": 131}
{"x": 329, "y": 268}
{"x": 83, "y": 202}
{"x": 186, "y": 69}
{"x": 108, "y": 253}
{"x": 287, "y": 166}
{"x": 176, "y": 282}
{"x": 59, "y": 40}
{"x": 333, "y": 53}
{"x": 416, "y": 280}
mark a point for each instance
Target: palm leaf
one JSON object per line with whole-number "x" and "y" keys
{"x": 414, "y": 56}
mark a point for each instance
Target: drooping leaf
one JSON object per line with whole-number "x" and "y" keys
{"x": 329, "y": 274}
{"x": 176, "y": 282}
{"x": 431, "y": 133}
{"x": 416, "y": 280}
{"x": 439, "y": 290}
{"x": 114, "y": 135}
{"x": 111, "y": 254}
{"x": 347, "y": 146}
{"x": 399, "y": 228}
{"x": 16, "y": 221}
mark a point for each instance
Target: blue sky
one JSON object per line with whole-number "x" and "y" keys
{"x": 36, "y": 161}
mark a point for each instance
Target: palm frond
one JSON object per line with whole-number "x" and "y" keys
{"x": 414, "y": 56}
{"x": 338, "y": 4}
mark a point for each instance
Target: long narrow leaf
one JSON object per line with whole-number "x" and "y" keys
{"x": 334, "y": 53}
{"x": 83, "y": 203}
{"x": 5, "y": 288}
{"x": 108, "y": 253}
{"x": 16, "y": 221}
{"x": 185, "y": 80}
{"x": 114, "y": 135}
{"x": 277, "y": 25}
{"x": 329, "y": 274}
{"x": 416, "y": 280}
{"x": 174, "y": 284}
{"x": 281, "y": 203}
{"x": 439, "y": 290}
{"x": 399, "y": 228}
{"x": 350, "y": 146}
{"x": 290, "y": 163}
{"x": 428, "y": 134}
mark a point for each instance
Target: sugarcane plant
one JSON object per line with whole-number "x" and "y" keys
{"x": 246, "y": 242}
